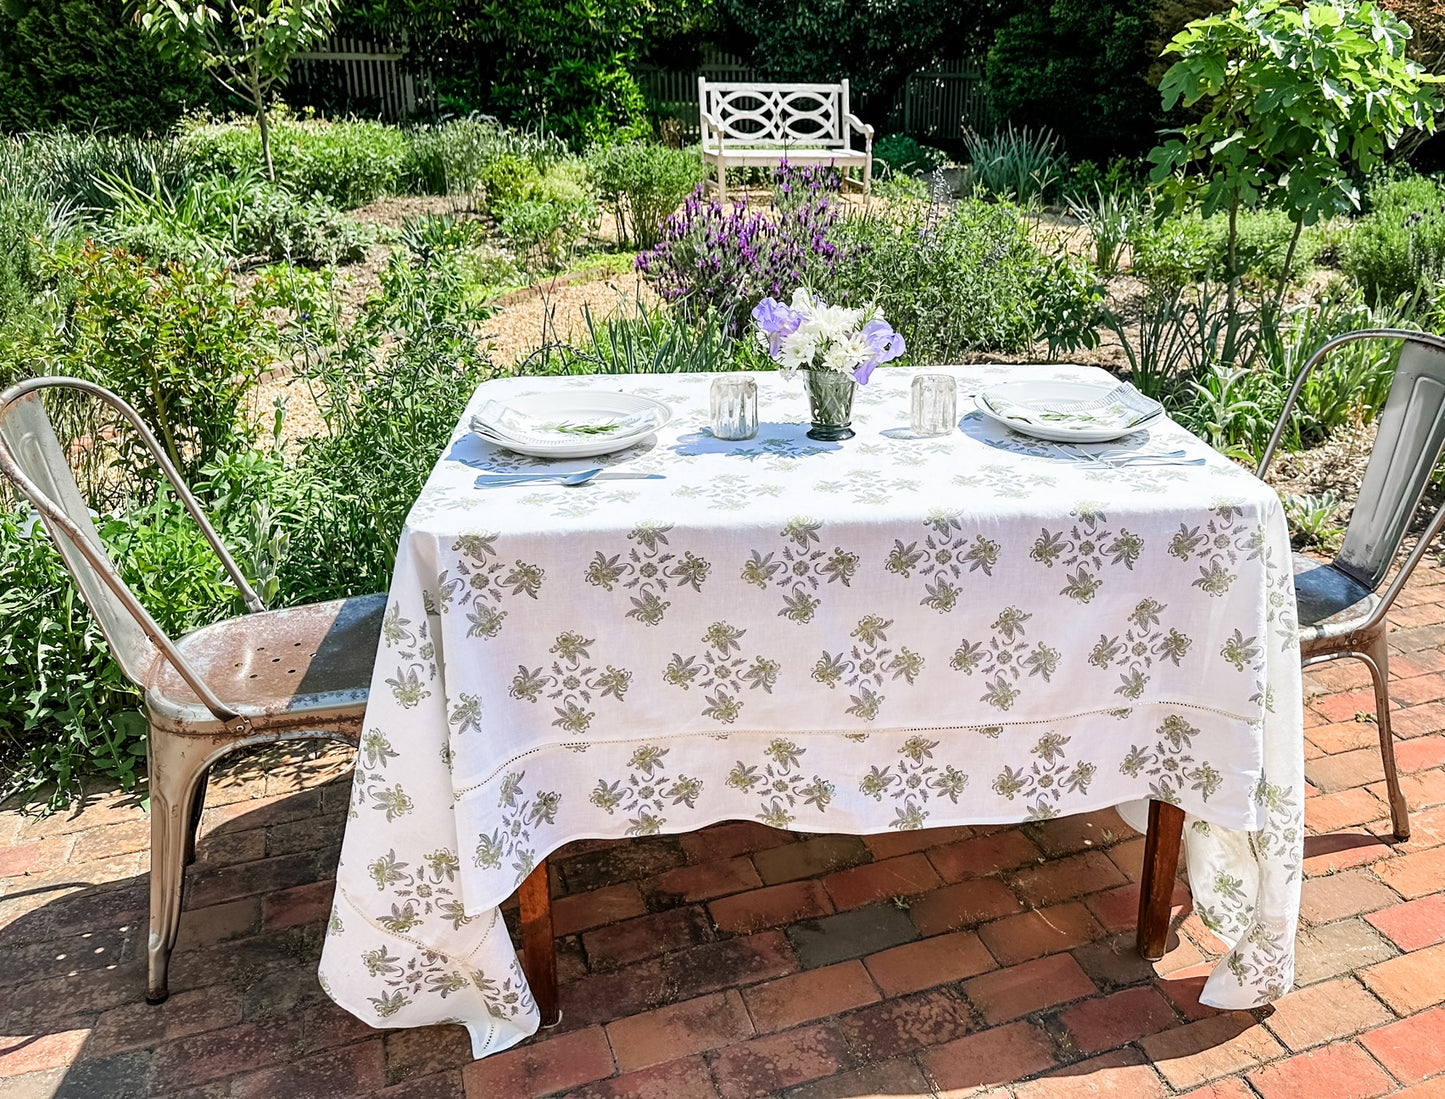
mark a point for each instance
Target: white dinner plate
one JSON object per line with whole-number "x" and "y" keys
{"x": 1069, "y": 412}
{"x": 577, "y": 408}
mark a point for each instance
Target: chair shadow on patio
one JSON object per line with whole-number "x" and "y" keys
{"x": 733, "y": 961}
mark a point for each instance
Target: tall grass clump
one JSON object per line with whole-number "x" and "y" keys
{"x": 1024, "y": 165}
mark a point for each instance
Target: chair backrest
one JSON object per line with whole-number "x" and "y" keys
{"x": 35, "y": 461}
{"x": 778, "y": 114}
{"x": 1408, "y": 443}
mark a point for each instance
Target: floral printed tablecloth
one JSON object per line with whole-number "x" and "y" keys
{"x": 889, "y": 632}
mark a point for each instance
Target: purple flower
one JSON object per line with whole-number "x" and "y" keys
{"x": 885, "y": 345}
{"x": 775, "y": 320}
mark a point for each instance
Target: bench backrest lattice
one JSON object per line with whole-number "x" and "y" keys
{"x": 768, "y": 115}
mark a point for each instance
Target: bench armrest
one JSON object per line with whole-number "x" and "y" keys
{"x": 859, "y": 125}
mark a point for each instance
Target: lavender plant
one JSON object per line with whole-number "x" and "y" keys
{"x": 713, "y": 259}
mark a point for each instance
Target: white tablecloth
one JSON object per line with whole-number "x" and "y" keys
{"x": 884, "y": 633}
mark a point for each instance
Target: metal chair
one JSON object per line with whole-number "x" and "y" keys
{"x": 264, "y": 677}
{"x": 1341, "y": 612}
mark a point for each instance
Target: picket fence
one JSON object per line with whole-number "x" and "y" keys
{"x": 373, "y": 77}
{"x": 349, "y": 75}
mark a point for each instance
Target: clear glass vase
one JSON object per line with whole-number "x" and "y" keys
{"x": 830, "y": 399}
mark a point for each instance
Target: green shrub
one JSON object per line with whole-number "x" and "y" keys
{"x": 447, "y": 159}
{"x": 905, "y": 155}
{"x": 348, "y": 163}
{"x": 1188, "y": 249}
{"x": 1399, "y": 246}
{"x": 390, "y": 394}
{"x": 508, "y": 177}
{"x": 86, "y": 64}
{"x": 968, "y": 280}
{"x": 1078, "y": 68}
{"x": 225, "y": 219}
{"x": 642, "y": 184}
{"x": 185, "y": 346}
{"x": 66, "y": 709}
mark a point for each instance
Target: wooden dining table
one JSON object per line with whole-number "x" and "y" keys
{"x": 885, "y": 633}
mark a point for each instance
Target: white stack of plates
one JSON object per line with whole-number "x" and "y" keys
{"x": 572, "y": 424}
{"x": 1071, "y": 412}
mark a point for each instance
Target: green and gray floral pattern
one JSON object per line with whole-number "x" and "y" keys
{"x": 891, "y": 633}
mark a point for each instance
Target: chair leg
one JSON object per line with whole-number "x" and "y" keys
{"x": 198, "y": 806}
{"x": 174, "y": 778}
{"x": 1377, "y": 659}
{"x": 539, "y": 945}
{"x": 1156, "y": 886}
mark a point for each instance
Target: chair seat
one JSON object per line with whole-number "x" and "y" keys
{"x": 284, "y": 667}
{"x": 1331, "y": 604}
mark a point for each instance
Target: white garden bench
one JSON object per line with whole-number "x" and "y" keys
{"x": 748, "y": 125}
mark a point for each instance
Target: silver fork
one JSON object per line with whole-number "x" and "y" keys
{"x": 581, "y": 477}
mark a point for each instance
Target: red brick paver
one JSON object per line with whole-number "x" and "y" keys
{"x": 742, "y": 961}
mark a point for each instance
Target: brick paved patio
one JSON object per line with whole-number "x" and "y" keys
{"x": 739, "y": 961}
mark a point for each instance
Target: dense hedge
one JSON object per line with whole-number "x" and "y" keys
{"x": 1079, "y": 68}
{"x": 85, "y": 64}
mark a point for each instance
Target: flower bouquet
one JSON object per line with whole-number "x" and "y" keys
{"x": 836, "y": 346}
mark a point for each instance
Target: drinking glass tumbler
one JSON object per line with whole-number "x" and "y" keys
{"x": 934, "y": 409}
{"x": 734, "y": 408}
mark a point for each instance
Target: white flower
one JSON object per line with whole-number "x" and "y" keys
{"x": 797, "y": 349}
{"x": 845, "y": 354}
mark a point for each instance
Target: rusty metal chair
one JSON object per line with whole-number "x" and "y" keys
{"x": 1341, "y": 611}
{"x": 264, "y": 677}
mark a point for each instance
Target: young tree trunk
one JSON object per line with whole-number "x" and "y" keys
{"x": 1231, "y": 258}
{"x": 259, "y": 98}
{"x": 1299, "y": 227}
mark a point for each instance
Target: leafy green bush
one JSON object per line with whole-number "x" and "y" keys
{"x": 965, "y": 280}
{"x": 226, "y": 219}
{"x": 65, "y": 707}
{"x": 1186, "y": 249}
{"x": 508, "y": 177}
{"x": 447, "y": 159}
{"x": 348, "y": 163}
{"x": 642, "y": 184}
{"x": 390, "y": 393}
{"x": 1399, "y": 246}
{"x": 1078, "y": 68}
{"x": 905, "y": 155}
{"x": 1022, "y": 165}
{"x": 86, "y": 64}
{"x": 185, "y": 346}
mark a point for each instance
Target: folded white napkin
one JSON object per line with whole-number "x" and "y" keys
{"x": 1120, "y": 407}
{"x": 506, "y": 424}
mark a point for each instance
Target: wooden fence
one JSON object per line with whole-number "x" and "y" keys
{"x": 356, "y": 75}
{"x": 940, "y": 105}
{"x": 931, "y": 106}
{"x": 674, "y": 94}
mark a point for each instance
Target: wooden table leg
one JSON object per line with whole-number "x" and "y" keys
{"x": 1156, "y": 886}
{"x": 539, "y": 946}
